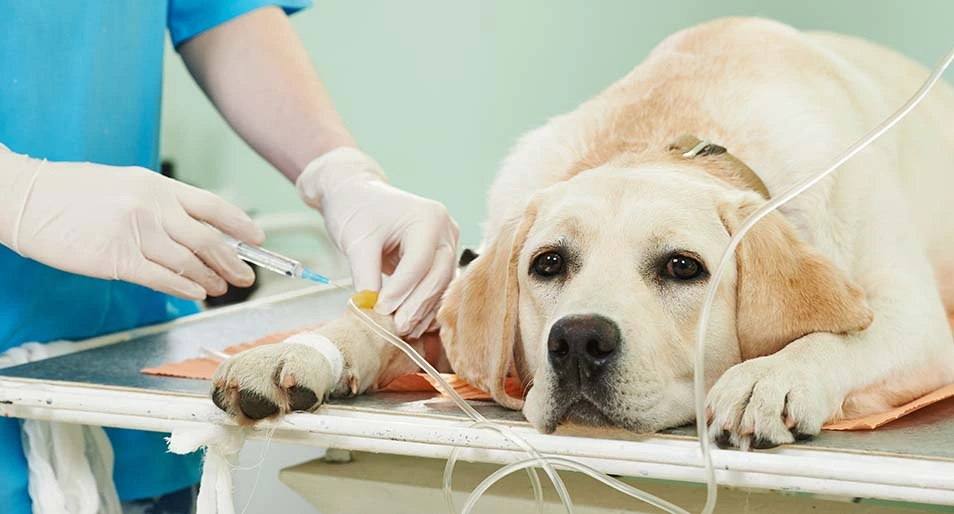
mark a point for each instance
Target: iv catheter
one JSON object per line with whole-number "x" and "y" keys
{"x": 274, "y": 262}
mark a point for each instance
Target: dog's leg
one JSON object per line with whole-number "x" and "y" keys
{"x": 342, "y": 358}
{"x": 787, "y": 396}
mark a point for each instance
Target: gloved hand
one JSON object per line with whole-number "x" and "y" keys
{"x": 381, "y": 228}
{"x": 122, "y": 223}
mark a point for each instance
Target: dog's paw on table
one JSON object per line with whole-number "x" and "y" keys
{"x": 272, "y": 380}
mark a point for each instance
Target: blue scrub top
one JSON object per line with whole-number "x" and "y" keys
{"x": 82, "y": 81}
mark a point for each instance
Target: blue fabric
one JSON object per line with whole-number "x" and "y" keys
{"x": 189, "y": 18}
{"x": 82, "y": 81}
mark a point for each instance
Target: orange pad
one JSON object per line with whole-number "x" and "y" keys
{"x": 876, "y": 420}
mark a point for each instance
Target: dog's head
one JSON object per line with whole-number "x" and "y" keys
{"x": 593, "y": 294}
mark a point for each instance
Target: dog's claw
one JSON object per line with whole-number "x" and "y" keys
{"x": 801, "y": 436}
{"x": 761, "y": 443}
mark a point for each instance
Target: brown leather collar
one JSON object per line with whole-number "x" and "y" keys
{"x": 691, "y": 147}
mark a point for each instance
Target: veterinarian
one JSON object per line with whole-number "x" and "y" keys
{"x": 95, "y": 242}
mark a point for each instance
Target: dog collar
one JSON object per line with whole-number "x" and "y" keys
{"x": 704, "y": 148}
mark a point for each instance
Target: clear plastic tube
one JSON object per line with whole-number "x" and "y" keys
{"x": 571, "y": 465}
{"x": 452, "y": 461}
{"x": 728, "y": 255}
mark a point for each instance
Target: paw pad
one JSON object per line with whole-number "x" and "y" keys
{"x": 255, "y": 406}
{"x": 301, "y": 398}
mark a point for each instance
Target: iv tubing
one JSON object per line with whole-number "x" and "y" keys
{"x": 572, "y": 465}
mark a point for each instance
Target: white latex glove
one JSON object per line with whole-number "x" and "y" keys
{"x": 122, "y": 223}
{"x": 381, "y": 228}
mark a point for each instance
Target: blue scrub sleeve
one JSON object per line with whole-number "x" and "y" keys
{"x": 189, "y": 18}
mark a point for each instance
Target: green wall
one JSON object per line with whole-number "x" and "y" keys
{"x": 438, "y": 90}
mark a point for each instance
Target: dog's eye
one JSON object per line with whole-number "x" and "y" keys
{"x": 682, "y": 267}
{"x": 548, "y": 264}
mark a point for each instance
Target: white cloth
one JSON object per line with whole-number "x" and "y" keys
{"x": 222, "y": 444}
{"x": 70, "y": 466}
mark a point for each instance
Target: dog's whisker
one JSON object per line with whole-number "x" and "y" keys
{"x": 526, "y": 388}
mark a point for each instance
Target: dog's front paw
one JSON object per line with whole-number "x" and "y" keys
{"x": 766, "y": 402}
{"x": 276, "y": 379}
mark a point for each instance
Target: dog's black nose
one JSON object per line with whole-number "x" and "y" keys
{"x": 584, "y": 342}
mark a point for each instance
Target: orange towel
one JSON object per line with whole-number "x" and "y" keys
{"x": 203, "y": 368}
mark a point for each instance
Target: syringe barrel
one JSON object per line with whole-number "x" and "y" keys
{"x": 266, "y": 259}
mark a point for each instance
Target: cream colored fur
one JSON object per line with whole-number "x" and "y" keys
{"x": 836, "y": 307}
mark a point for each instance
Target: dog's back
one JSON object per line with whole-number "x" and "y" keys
{"x": 786, "y": 102}
{"x": 925, "y": 142}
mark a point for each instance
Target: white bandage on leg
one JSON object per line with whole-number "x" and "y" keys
{"x": 325, "y": 347}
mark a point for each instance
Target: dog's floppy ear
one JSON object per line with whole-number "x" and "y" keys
{"x": 478, "y": 317}
{"x": 786, "y": 289}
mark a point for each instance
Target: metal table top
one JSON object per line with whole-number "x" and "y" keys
{"x": 927, "y": 434}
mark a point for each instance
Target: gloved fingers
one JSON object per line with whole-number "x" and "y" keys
{"x": 208, "y": 246}
{"x": 162, "y": 250}
{"x": 415, "y": 314}
{"x": 365, "y": 261}
{"x": 417, "y": 255}
{"x": 426, "y": 326}
{"x": 160, "y": 278}
{"x": 390, "y": 260}
{"x": 212, "y": 209}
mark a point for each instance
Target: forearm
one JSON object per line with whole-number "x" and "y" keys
{"x": 259, "y": 76}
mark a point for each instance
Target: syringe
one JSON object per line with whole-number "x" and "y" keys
{"x": 274, "y": 262}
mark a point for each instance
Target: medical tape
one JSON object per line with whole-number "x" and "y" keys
{"x": 325, "y": 347}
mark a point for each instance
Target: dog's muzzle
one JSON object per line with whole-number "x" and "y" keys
{"x": 581, "y": 348}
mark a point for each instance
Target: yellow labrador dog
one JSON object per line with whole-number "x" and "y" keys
{"x": 606, "y": 221}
